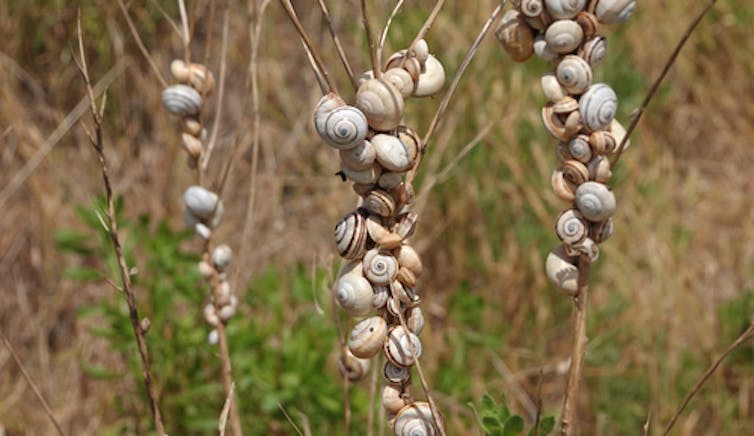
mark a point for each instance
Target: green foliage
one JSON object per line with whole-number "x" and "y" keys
{"x": 496, "y": 420}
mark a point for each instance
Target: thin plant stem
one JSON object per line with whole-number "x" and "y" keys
{"x": 223, "y": 421}
{"x": 673, "y": 56}
{"x": 578, "y": 349}
{"x": 373, "y": 395}
{"x": 186, "y": 34}
{"x": 30, "y": 381}
{"x": 208, "y": 42}
{"x": 383, "y": 35}
{"x": 140, "y": 44}
{"x": 346, "y": 401}
{"x": 425, "y": 27}
{"x": 165, "y": 15}
{"x": 370, "y": 40}
{"x": 227, "y": 370}
{"x": 97, "y": 143}
{"x": 338, "y": 46}
{"x": 745, "y": 336}
{"x": 220, "y": 98}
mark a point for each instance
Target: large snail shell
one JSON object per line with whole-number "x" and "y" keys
{"x": 359, "y": 158}
{"x": 351, "y": 235}
{"x": 380, "y": 203}
{"x": 595, "y": 201}
{"x": 543, "y": 50}
{"x": 354, "y": 292}
{"x": 564, "y": 36}
{"x": 380, "y": 267}
{"x": 399, "y": 350}
{"x": 561, "y": 271}
{"x": 381, "y": 103}
{"x": 323, "y": 108}
{"x": 367, "y": 176}
{"x": 181, "y": 100}
{"x": 614, "y": 11}
{"x": 409, "y": 258}
{"x": 200, "y": 202}
{"x": 415, "y": 419}
{"x": 516, "y": 36}
{"x": 392, "y": 398}
{"x": 562, "y": 9}
{"x": 402, "y": 81}
{"x": 571, "y": 227}
{"x": 431, "y": 79}
{"x": 574, "y": 74}
{"x": 598, "y": 106}
{"x": 594, "y": 50}
{"x": 395, "y": 374}
{"x": 532, "y": 8}
{"x": 345, "y": 128}
{"x": 393, "y": 153}
{"x": 352, "y": 367}
{"x": 580, "y": 149}
{"x": 368, "y": 337}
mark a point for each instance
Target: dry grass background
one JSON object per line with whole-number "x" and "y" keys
{"x": 684, "y": 243}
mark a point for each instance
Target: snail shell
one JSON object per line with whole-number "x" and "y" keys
{"x": 367, "y": 176}
{"x": 595, "y": 201}
{"x": 562, "y": 188}
{"x": 532, "y": 8}
{"x": 614, "y": 11}
{"x": 381, "y": 294}
{"x": 323, "y": 108}
{"x": 601, "y": 232}
{"x": 191, "y": 144}
{"x": 383, "y": 237}
{"x": 390, "y": 180}
{"x": 575, "y": 172}
{"x": 599, "y": 169}
{"x": 587, "y": 247}
{"x": 381, "y": 103}
{"x": 393, "y": 306}
{"x": 542, "y": 50}
{"x": 415, "y": 319}
{"x": 406, "y": 224}
{"x": 564, "y": 36}
{"x": 395, "y": 374}
{"x": 598, "y": 106}
{"x": 588, "y": 22}
{"x": 392, "y": 398}
{"x": 351, "y": 235}
{"x": 200, "y": 202}
{"x": 409, "y": 258}
{"x": 574, "y": 74}
{"x": 552, "y": 89}
{"x": 412, "y": 65}
{"x": 393, "y": 153}
{"x": 415, "y": 419}
{"x": 181, "y": 100}
{"x": 402, "y": 81}
{"x": 602, "y": 141}
{"x": 554, "y": 123}
{"x": 563, "y": 9}
{"x": 594, "y": 50}
{"x": 580, "y": 149}
{"x": 571, "y": 227}
{"x": 359, "y": 158}
{"x": 380, "y": 203}
{"x": 345, "y": 128}
{"x": 561, "y": 271}
{"x": 354, "y": 292}
{"x": 221, "y": 256}
{"x": 406, "y": 277}
{"x": 431, "y": 79}
{"x": 210, "y": 315}
{"x": 399, "y": 350}
{"x": 618, "y": 132}
{"x": 368, "y": 337}
{"x": 180, "y": 70}
{"x": 380, "y": 267}
{"x": 352, "y": 367}
{"x": 516, "y": 37}
{"x": 421, "y": 50}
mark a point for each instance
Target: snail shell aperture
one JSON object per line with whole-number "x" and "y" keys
{"x": 561, "y": 271}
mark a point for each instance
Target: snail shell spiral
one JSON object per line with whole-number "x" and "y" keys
{"x": 351, "y": 235}
{"x": 614, "y": 11}
{"x": 580, "y": 149}
{"x": 594, "y": 50}
{"x": 352, "y": 291}
{"x": 398, "y": 350}
{"x": 368, "y": 337}
{"x": 395, "y": 374}
{"x": 564, "y": 36}
{"x": 380, "y": 267}
{"x": 415, "y": 419}
{"x": 345, "y": 128}
{"x": 563, "y": 9}
{"x": 328, "y": 103}
{"x": 381, "y": 103}
{"x": 598, "y": 106}
{"x": 571, "y": 227}
{"x": 532, "y": 8}
{"x": 181, "y": 100}
{"x": 595, "y": 201}
{"x": 574, "y": 74}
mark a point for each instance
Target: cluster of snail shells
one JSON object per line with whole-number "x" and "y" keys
{"x": 184, "y": 100}
{"x": 224, "y": 303}
{"x": 580, "y": 114}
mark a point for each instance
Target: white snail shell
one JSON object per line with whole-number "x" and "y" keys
{"x": 580, "y": 149}
{"x": 564, "y": 36}
{"x": 380, "y": 296}
{"x": 595, "y": 201}
{"x": 393, "y": 153}
{"x": 392, "y": 398}
{"x": 351, "y": 235}
{"x": 431, "y": 79}
{"x": 359, "y": 158}
{"x": 402, "y": 81}
{"x": 181, "y": 100}
{"x": 532, "y": 8}
{"x": 561, "y": 9}
{"x": 412, "y": 65}
{"x": 367, "y": 176}
{"x": 415, "y": 319}
{"x": 328, "y": 103}
{"x": 571, "y": 227}
{"x": 380, "y": 203}
{"x": 614, "y": 11}
{"x": 345, "y": 128}
{"x": 389, "y": 180}
{"x": 352, "y": 367}
{"x": 561, "y": 271}
{"x": 516, "y": 37}
{"x": 353, "y": 291}
{"x": 221, "y": 256}
{"x": 543, "y": 50}
{"x": 409, "y": 258}
{"x": 599, "y": 169}
{"x": 594, "y": 50}
{"x": 180, "y": 70}
{"x": 368, "y": 337}
{"x": 380, "y": 267}
{"x": 399, "y": 350}
{"x": 210, "y": 315}
{"x": 552, "y": 89}
{"x": 201, "y": 203}
{"x": 618, "y": 132}
{"x": 395, "y": 374}
{"x": 421, "y": 50}
{"x": 381, "y": 103}
{"x": 598, "y": 106}
{"x": 415, "y": 419}
{"x": 574, "y": 74}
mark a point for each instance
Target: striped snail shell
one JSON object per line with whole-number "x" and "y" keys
{"x": 614, "y": 11}
{"x": 431, "y": 79}
{"x": 554, "y": 124}
{"x": 580, "y": 149}
{"x": 574, "y": 74}
{"x": 359, "y": 158}
{"x": 588, "y": 22}
{"x": 402, "y": 347}
{"x": 368, "y": 337}
{"x": 415, "y": 419}
{"x": 595, "y": 201}
{"x": 411, "y": 64}
{"x": 599, "y": 169}
{"x": 181, "y": 100}
{"x": 571, "y": 227}
{"x": 353, "y": 291}
{"x": 380, "y": 203}
{"x": 598, "y": 106}
{"x": 328, "y": 103}
{"x": 352, "y": 367}
{"x": 602, "y": 141}
{"x": 531, "y": 8}
{"x": 395, "y": 374}
{"x": 594, "y": 50}
{"x": 564, "y": 36}
{"x": 601, "y": 232}
{"x": 409, "y": 258}
{"x": 380, "y": 267}
{"x": 563, "y": 9}
{"x": 345, "y": 128}
{"x": 406, "y": 224}
{"x": 392, "y": 398}
{"x": 562, "y": 187}
{"x": 552, "y": 89}
{"x": 367, "y": 176}
{"x": 562, "y": 271}
{"x": 516, "y": 37}
{"x": 402, "y": 81}
{"x": 380, "y": 296}
{"x": 575, "y": 172}
{"x": 393, "y": 153}
{"x": 381, "y": 103}
{"x": 351, "y": 235}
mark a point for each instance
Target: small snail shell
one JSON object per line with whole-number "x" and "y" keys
{"x": 206, "y": 270}
{"x": 601, "y": 232}
{"x": 594, "y": 50}
{"x": 409, "y": 258}
{"x": 352, "y": 367}
{"x": 415, "y": 319}
{"x": 402, "y": 81}
{"x": 345, "y": 128}
{"x": 406, "y": 277}
{"x": 180, "y": 70}
{"x": 381, "y": 103}
{"x": 415, "y": 419}
{"x": 393, "y": 153}
{"x": 402, "y": 347}
{"x": 359, "y": 158}
{"x": 580, "y": 149}
{"x": 406, "y": 224}
{"x": 368, "y": 337}
{"x": 562, "y": 188}
{"x": 587, "y": 247}
{"x": 354, "y": 292}
{"x": 192, "y": 126}
{"x": 200, "y": 229}
{"x": 575, "y": 172}
{"x": 552, "y": 89}
{"x": 362, "y": 189}
{"x": 351, "y": 235}
{"x": 574, "y": 74}
{"x": 602, "y": 141}
{"x": 595, "y": 201}
{"x": 618, "y": 132}
{"x": 392, "y": 398}
{"x": 614, "y": 11}
{"x": 397, "y": 290}
{"x": 226, "y": 312}
{"x": 221, "y": 256}
{"x": 554, "y": 124}
{"x": 379, "y": 203}
{"x": 213, "y": 337}
{"x": 181, "y": 100}
{"x": 516, "y": 37}
{"x": 381, "y": 294}
{"x": 421, "y": 50}
{"x": 588, "y": 22}
{"x": 565, "y": 106}
{"x": 564, "y": 36}
{"x": 383, "y": 237}
{"x": 200, "y": 202}
{"x": 431, "y": 79}
{"x": 540, "y": 22}
{"x": 411, "y": 64}
{"x": 210, "y": 315}
{"x": 191, "y": 144}
{"x": 571, "y": 227}
{"x": 561, "y": 271}
{"x": 222, "y": 294}
{"x": 599, "y": 169}
{"x": 563, "y": 9}
{"x": 531, "y": 8}
{"x": 394, "y": 307}
{"x": 367, "y": 176}
{"x": 380, "y": 267}
{"x": 323, "y": 108}
{"x": 394, "y": 374}
{"x": 598, "y": 106}
{"x": 543, "y": 50}
{"x": 390, "y": 180}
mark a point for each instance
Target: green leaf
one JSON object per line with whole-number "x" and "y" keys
{"x": 489, "y": 406}
{"x": 492, "y": 425}
{"x": 513, "y": 426}
{"x": 82, "y": 274}
{"x": 100, "y": 372}
{"x": 73, "y": 241}
{"x": 546, "y": 424}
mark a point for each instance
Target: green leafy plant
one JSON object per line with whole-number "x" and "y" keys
{"x": 497, "y": 420}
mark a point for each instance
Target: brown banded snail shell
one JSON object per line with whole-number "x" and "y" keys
{"x": 368, "y": 337}
{"x": 598, "y": 106}
{"x": 594, "y": 50}
{"x": 516, "y": 37}
{"x": 181, "y": 100}
{"x": 352, "y": 367}
{"x": 352, "y": 291}
{"x": 595, "y": 201}
{"x": 614, "y": 11}
{"x": 562, "y": 271}
{"x": 380, "y": 267}
{"x": 415, "y": 419}
{"x": 588, "y": 22}
{"x": 402, "y": 347}
{"x": 394, "y": 374}
{"x": 351, "y": 235}
{"x": 380, "y": 203}
{"x": 381, "y": 103}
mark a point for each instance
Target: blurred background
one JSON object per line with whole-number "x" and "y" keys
{"x": 671, "y": 289}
